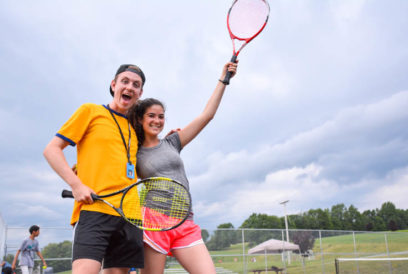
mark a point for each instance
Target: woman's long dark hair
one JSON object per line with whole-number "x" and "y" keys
{"x": 136, "y": 113}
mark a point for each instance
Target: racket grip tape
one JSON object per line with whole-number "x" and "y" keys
{"x": 229, "y": 73}
{"x": 68, "y": 194}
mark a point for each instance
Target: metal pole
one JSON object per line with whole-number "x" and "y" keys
{"x": 243, "y": 251}
{"x": 355, "y": 251}
{"x": 388, "y": 253}
{"x": 321, "y": 249}
{"x": 266, "y": 261}
{"x": 286, "y": 220}
{"x": 286, "y": 226}
{"x": 283, "y": 253}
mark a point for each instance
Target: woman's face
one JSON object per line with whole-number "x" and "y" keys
{"x": 153, "y": 120}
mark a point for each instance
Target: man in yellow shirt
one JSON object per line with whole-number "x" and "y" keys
{"x": 106, "y": 157}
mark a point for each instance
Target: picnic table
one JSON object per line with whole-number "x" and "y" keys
{"x": 273, "y": 268}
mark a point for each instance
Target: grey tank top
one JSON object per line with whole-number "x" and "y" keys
{"x": 163, "y": 160}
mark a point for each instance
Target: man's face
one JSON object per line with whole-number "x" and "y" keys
{"x": 127, "y": 89}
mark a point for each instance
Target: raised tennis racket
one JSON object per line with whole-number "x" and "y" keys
{"x": 246, "y": 19}
{"x": 155, "y": 204}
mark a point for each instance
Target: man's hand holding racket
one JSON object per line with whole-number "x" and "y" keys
{"x": 81, "y": 192}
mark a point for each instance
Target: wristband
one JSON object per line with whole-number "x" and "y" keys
{"x": 222, "y": 81}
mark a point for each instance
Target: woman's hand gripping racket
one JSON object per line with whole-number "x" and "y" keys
{"x": 246, "y": 19}
{"x": 155, "y": 204}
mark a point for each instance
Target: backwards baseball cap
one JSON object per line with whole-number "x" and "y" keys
{"x": 132, "y": 68}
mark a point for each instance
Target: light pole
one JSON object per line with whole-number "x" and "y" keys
{"x": 286, "y": 225}
{"x": 286, "y": 219}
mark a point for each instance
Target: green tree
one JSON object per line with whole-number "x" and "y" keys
{"x": 304, "y": 239}
{"x": 262, "y": 221}
{"x": 320, "y": 219}
{"x": 337, "y": 216}
{"x": 60, "y": 250}
{"x": 403, "y": 217}
{"x": 371, "y": 220}
{"x": 353, "y": 219}
{"x": 296, "y": 221}
{"x": 223, "y": 237}
{"x": 205, "y": 235}
{"x": 388, "y": 213}
{"x": 392, "y": 225}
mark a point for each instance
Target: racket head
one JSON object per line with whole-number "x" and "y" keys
{"x": 246, "y": 19}
{"x": 156, "y": 204}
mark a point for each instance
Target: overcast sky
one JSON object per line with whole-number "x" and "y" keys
{"x": 317, "y": 113}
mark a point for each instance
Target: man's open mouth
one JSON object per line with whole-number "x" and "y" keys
{"x": 126, "y": 97}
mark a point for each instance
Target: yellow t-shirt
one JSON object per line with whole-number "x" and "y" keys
{"x": 101, "y": 154}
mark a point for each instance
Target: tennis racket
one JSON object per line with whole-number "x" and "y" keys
{"x": 154, "y": 204}
{"x": 246, "y": 19}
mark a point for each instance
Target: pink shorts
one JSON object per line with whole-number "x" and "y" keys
{"x": 188, "y": 234}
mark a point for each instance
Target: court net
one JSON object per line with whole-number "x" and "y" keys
{"x": 371, "y": 265}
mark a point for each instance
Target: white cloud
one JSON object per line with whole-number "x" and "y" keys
{"x": 394, "y": 188}
{"x": 345, "y": 11}
{"x": 305, "y": 189}
{"x": 322, "y": 166}
{"x": 24, "y": 210}
{"x": 297, "y": 184}
{"x": 359, "y": 129}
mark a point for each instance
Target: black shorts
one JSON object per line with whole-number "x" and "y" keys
{"x": 7, "y": 270}
{"x": 107, "y": 238}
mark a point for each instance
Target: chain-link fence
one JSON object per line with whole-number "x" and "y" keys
{"x": 250, "y": 250}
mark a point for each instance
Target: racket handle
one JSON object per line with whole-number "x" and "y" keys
{"x": 68, "y": 194}
{"x": 229, "y": 73}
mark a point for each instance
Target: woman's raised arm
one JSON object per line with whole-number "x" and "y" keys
{"x": 194, "y": 127}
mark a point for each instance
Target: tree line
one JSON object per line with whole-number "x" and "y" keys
{"x": 338, "y": 217}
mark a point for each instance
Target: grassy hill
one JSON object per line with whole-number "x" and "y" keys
{"x": 366, "y": 244}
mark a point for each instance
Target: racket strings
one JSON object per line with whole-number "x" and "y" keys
{"x": 247, "y": 17}
{"x": 161, "y": 204}
{"x": 131, "y": 206}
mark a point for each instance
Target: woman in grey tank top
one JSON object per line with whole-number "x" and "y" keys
{"x": 161, "y": 158}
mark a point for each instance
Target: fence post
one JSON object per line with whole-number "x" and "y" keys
{"x": 266, "y": 260}
{"x": 321, "y": 250}
{"x": 355, "y": 251}
{"x": 388, "y": 252}
{"x": 283, "y": 253}
{"x": 243, "y": 251}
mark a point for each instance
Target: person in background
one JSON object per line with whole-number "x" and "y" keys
{"x": 28, "y": 248}
{"x": 133, "y": 270}
{"x": 6, "y": 268}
